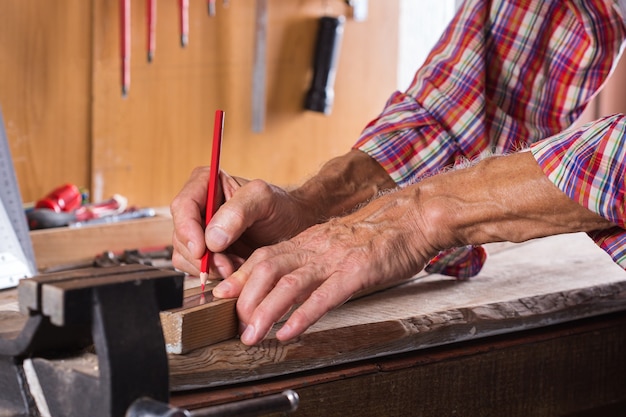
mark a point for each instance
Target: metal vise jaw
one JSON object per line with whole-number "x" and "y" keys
{"x": 50, "y": 368}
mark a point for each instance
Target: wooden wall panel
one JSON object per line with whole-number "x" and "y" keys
{"x": 145, "y": 145}
{"x": 45, "y": 77}
{"x": 67, "y": 122}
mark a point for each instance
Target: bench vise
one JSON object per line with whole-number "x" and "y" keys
{"x": 91, "y": 342}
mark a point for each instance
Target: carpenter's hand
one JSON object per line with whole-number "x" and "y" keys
{"x": 253, "y": 214}
{"x": 325, "y": 265}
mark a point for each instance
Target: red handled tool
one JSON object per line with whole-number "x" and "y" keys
{"x": 184, "y": 22}
{"x": 152, "y": 18}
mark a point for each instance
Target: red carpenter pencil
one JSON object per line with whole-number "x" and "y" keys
{"x": 211, "y": 198}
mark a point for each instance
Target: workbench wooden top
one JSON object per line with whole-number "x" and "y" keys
{"x": 522, "y": 286}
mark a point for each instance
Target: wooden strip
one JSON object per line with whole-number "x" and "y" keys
{"x": 63, "y": 245}
{"x": 202, "y": 321}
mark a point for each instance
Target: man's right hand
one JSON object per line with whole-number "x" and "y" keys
{"x": 252, "y": 214}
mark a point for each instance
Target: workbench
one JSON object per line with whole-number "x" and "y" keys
{"x": 541, "y": 331}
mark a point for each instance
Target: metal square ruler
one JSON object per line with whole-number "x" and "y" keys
{"x": 17, "y": 258}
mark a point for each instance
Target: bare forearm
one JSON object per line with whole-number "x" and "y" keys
{"x": 506, "y": 198}
{"x": 342, "y": 184}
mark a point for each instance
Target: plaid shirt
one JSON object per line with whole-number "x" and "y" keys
{"x": 504, "y": 76}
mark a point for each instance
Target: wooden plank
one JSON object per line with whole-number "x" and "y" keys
{"x": 539, "y": 283}
{"x": 60, "y": 246}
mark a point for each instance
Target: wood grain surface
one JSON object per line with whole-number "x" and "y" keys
{"x": 58, "y": 247}
{"x": 201, "y": 321}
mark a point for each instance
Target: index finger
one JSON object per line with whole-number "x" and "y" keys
{"x": 186, "y": 209}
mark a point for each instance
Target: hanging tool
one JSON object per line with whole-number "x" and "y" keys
{"x": 259, "y": 68}
{"x": 321, "y": 94}
{"x": 17, "y": 258}
{"x": 125, "y": 45}
{"x": 184, "y": 22}
{"x": 152, "y": 18}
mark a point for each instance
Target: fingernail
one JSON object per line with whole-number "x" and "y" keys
{"x": 223, "y": 288}
{"x": 191, "y": 246}
{"x": 247, "y": 337}
{"x": 217, "y": 237}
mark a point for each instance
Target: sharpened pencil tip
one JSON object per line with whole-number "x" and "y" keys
{"x": 204, "y": 277}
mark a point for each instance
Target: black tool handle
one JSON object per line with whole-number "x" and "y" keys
{"x": 321, "y": 94}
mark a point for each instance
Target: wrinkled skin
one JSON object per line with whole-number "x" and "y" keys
{"x": 276, "y": 250}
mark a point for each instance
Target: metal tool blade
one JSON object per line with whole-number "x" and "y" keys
{"x": 259, "y": 69}
{"x": 17, "y": 258}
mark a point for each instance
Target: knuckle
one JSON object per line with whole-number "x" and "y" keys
{"x": 259, "y": 186}
{"x": 263, "y": 190}
{"x": 301, "y": 318}
{"x": 244, "y": 310}
{"x": 262, "y": 254}
{"x": 200, "y": 171}
{"x": 320, "y": 297}
{"x": 264, "y": 269}
{"x": 175, "y": 205}
{"x": 288, "y": 283}
{"x": 178, "y": 261}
